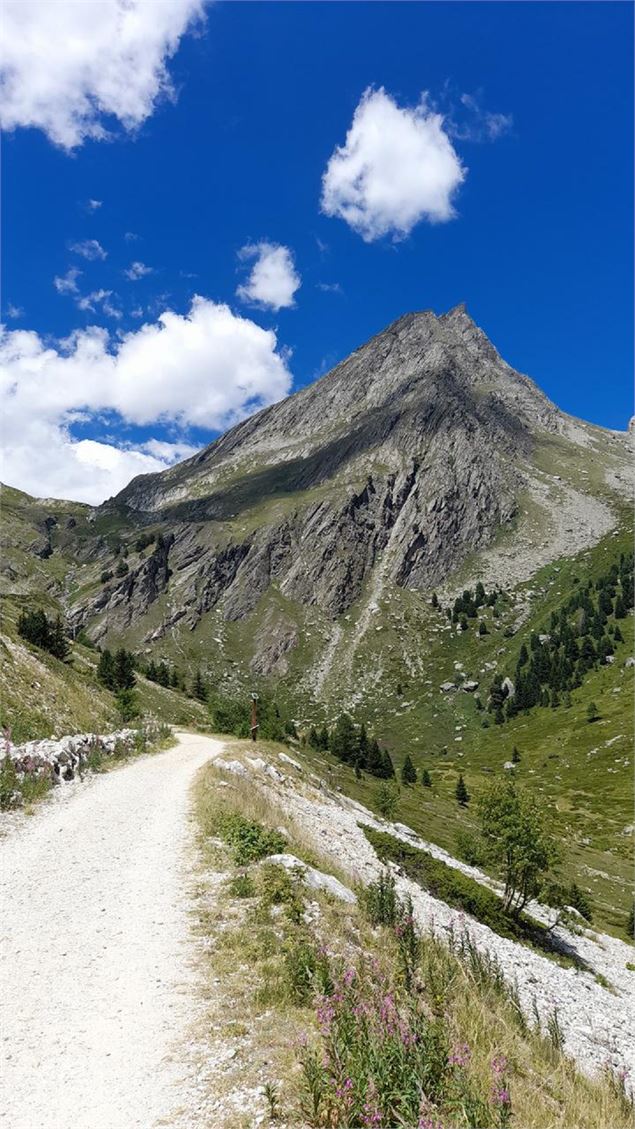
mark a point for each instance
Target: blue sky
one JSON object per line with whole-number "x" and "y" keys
{"x": 537, "y": 126}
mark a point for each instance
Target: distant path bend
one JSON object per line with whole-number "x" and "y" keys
{"x": 96, "y": 983}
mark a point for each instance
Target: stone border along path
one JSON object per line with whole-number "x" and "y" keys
{"x": 597, "y": 1023}
{"x": 97, "y": 977}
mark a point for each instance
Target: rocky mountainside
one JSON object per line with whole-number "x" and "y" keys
{"x": 419, "y": 457}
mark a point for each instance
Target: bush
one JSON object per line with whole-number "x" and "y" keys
{"x": 387, "y": 800}
{"x": 249, "y": 841}
{"x": 242, "y": 886}
{"x": 10, "y": 794}
{"x": 379, "y": 900}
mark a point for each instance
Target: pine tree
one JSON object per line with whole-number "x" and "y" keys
{"x": 515, "y": 756}
{"x": 323, "y": 739}
{"x": 435, "y": 600}
{"x": 617, "y": 635}
{"x": 461, "y": 793}
{"x": 523, "y": 657}
{"x": 344, "y": 740}
{"x": 199, "y": 689}
{"x": 312, "y": 738}
{"x": 425, "y": 778}
{"x": 482, "y": 628}
{"x": 362, "y": 747}
{"x": 592, "y": 712}
{"x": 58, "y": 644}
{"x": 408, "y": 771}
{"x": 620, "y": 607}
{"x": 124, "y": 670}
{"x": 374, "y": 759}
{"x": 106, "y": 670}
{"x": 387, "y": 767}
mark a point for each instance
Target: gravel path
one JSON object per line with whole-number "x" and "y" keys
{"x": 96, "y": 976}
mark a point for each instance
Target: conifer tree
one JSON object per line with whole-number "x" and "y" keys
{"x": 106, "y": 670}
{"x": 461, "y": 792}
{"x": 408, "y": 771}
{"x": 199, "y": 689}
{"x": 425, "y": 778}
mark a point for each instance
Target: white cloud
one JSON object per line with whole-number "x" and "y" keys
{"x": 330, "y": 287}
{"x": 208, "y": 368}
{"x": 93, "y": 205}
{"x": 396, "y": 168}
{"x": 67, "y": 283}
{"x": 70, "y": 67}
{"x": 136, "y": 271}
{"x": 273, "y": 280}
{"x": 89, "y": 249}
{"x": 130, "y": 236}
{"x": 90, "y": 302}
{"x": 14, "y": 312}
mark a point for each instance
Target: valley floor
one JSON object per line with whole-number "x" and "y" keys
{"x": 97, "y": 980}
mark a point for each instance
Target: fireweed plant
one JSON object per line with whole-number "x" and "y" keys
{"x": 383, "y": 1057}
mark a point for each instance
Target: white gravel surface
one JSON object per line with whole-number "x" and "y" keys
{"x": 97, "y": 980}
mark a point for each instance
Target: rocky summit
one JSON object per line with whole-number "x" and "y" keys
{"x": 419, "y": 461}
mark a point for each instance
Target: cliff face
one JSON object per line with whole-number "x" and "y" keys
{"x": 420, "y": 450}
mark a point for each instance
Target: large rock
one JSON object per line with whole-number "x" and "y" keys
{"x": 314, "y": 879}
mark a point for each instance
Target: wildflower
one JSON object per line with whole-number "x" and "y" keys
{"x": 501, "y": 1096}
{"x": 460, "y": 1056}
{"x": 499, "y": 1066}
{"x": 349, "y": 976}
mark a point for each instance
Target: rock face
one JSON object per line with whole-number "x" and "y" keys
{"x": 411, "y": 455}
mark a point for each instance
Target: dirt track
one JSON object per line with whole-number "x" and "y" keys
{"x": 96, "y": 984}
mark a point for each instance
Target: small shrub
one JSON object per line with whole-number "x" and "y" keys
{"x": 387, "y": 800}
{"x": 10, "y": 794}
{"x": 242, "y": 886}
{"x": 249, "y": 841}
{"x": 379, "y": 900}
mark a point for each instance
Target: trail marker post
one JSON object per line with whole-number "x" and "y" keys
{"x": 254, "y": 716}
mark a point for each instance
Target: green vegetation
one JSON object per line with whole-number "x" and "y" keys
{"x": 516, "y": 842}
{"x": 465, "y": 893}
{"x": 36, "y": 628}
{"x": 248, "y": 839}
{"x": 352, "y": 1011}
{"x": 351, "y": 745}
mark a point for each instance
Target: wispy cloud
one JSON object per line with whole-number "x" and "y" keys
{"x": 474, "y": 123}
{"x": 89, "y": 249}
{"x": 67, "y": 283}
{"x": 137, "y": 270}
{"x": 93, "y": 205}
{"x": 330, "y": 287}
{"x": 14, "y": 312}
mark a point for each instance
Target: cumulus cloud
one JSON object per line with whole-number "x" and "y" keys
{"x": 89, "y": 249}
{"x": 273, "y": 279}
{"x": 72, "y": 68}
{"x": 136, "y": 271}
{"x": 207, "y": 368}
{"x": 397, "y": 167}
{"x": 67, "y": 283}
{"x": 93, "y": 205}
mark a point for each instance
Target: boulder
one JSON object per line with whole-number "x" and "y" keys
{"x": 314, "y": 879}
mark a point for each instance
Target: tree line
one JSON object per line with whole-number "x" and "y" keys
{"x": 580, "y": 636}
{"x": 353, "y": 746}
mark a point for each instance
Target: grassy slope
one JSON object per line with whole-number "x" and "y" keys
{"x": 582, "y": 771}
{"x": 251, "y": 943}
